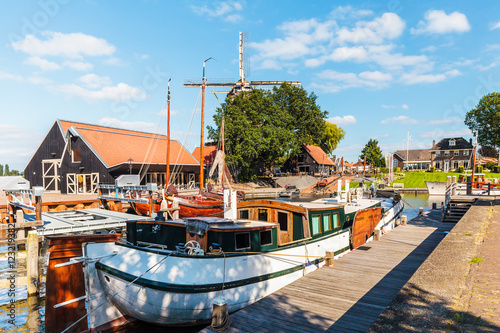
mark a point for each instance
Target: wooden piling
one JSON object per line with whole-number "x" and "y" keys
{"x": 32, "y": 263}
{"x": 377, "y": 234}
{"x": 329, "y": 258}
{"x": 404, "y": 219}
{"x": 19, "y": 222}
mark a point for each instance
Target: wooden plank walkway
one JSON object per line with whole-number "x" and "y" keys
{"x": 349, "y": 296}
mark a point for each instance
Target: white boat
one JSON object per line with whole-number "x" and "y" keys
{"x": 154, "y": 278}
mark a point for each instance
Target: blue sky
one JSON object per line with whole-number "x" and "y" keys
{"x": 380, "y": 69}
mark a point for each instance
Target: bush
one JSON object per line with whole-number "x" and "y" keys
{"x": 496, "y": 169}
{"x": 432, "y": 169}
{"x": 479, "y": 169}
{"x": 461, "y": 169}
{"x": 397, "y": 169}
{"x": 384, "y": 170}
{"x": 490, "y": 165}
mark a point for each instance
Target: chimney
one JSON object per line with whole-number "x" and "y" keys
{"x": 470, "y": 140}
{"x": 433, "y": 143}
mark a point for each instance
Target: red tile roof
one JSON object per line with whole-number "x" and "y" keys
{"x": 208, "y": 151}
{"x": 318, "y": 155}
{"x": 116, "y": 146}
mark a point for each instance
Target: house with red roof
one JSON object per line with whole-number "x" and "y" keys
{"x": 75, "y": 157}
{"x": 311, "y": 160}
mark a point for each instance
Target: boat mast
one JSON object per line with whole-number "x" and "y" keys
{"x": 223, "y": 151}
{"x": 167, "y": 180}
{"x": 474, "y": 158}
{"x": 202, "y": 141}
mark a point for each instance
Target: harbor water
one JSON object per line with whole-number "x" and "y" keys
{"x": 18, "y": 313}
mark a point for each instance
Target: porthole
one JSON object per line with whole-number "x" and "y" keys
{"x": 106, "y": 278}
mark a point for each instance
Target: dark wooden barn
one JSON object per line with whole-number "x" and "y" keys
{"x": 75, "y": 157}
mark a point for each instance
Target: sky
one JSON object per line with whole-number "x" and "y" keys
{"x": 383, "y": 70}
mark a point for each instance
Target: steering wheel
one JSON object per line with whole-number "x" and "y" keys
{"x": 192, "y": 247}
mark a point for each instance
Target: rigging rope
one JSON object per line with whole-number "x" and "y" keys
{"x": 119, "y": 291}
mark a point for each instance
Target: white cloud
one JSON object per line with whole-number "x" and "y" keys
{"x": 39, "y": 80}
{"x": 495, "y": 26}
{"x": 332, "y": 81}
{"x": 114, "y": 62}
{"x": 347, "y": 12}
{"x": 438, "y": 22}
{"x": 487, "y": 67}
{"x": 225, "y": 9}
{"x": 345, "y": 120}
{"x": 445, "y": 121}
{"x": 120, "y": 92}
{"x": 8, "y": 76}
{"x": 72, "y": 45}
{"x": 350, "y": 148}
{"x": 301, "y": 39}
{"x": 78, "y": 65}
{"x": 17, "y": 147}
{"x": 399, "y": 120}
{"x": 446, "y": 134}
{"x": 132, "y": 125}
{"x": 93, "y": 81}
{"x": 43, "y": 64}
{"x": 430, "y": 48}
{"x": 387, "y": 26}
{"x": 404, "y": 106}
{"x": 415, "y": 78}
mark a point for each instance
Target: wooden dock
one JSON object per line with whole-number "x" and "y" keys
{"x": 349, "y": 296}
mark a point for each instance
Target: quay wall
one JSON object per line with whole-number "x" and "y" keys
{"x": 433, "y": 299}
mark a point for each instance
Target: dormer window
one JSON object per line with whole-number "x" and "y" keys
{"x": 452, "y": 142}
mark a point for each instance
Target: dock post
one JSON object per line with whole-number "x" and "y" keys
{"x": 454, "y": 181}
{"x": 329, "y": 258}
{"x": 404, "y": 219}
{"x": 32, "y": 263}
{"x": 19, "y": 221}
{"x": 377, "y": 234}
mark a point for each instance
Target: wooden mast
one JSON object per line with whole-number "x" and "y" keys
{"x": 167, "y": 180}
{"x": 202, "y": 141}
{"x": 474, "y": 159}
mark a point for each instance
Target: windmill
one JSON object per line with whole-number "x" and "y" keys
{"x": 242, "y": 84}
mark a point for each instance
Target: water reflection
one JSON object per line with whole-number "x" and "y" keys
{"x": 413, "y": 202}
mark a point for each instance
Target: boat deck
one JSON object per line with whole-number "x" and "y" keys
{"x": 83, "y": 220}
{"x": 349, "y": 296}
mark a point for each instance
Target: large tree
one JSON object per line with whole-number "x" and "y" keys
{"x": 485, "y": 118}
{"x": 373, "y": 154}
{"x": 270, "y": 127}
{"x": 332, "y": 136}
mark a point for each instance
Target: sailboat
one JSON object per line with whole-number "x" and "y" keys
{"x": 202, "y": 204}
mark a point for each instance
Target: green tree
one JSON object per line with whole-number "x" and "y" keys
{"x": 270, "y": 127}
{"x": 1, "y": 170}
{"x": 332, "y": 136}
{"x": 373, "y": 154}
{"x": 7, "y": 171}
{"x": 485, "y": 118}
{"x": 488, "y": 151}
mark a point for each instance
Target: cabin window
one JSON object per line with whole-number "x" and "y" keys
{"x": 262, "y": 215}
{"x": 456, "y": 153}
{"x": 438, "y": 154}
{"x": 242, "y": 241}
{"x": 316, "y": 224}
{"x": 75, "y": 156}
{"x": 283, "y": 221}
{"x": 336, "y": 222}
{"x": 446, "y": 153}
{"x": 466, "y": 153}
{"x": 266, "y": 238}
{"x": 327, "y": 222}
{"x": 244, "y": 214}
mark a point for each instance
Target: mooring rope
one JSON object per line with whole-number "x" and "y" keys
{"x": 119, "y": 291}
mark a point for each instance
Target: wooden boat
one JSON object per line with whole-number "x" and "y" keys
{"x": 170, "y": 272}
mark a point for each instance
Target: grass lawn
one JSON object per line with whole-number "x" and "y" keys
{"x": 417, "y": 179}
